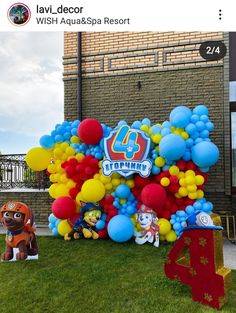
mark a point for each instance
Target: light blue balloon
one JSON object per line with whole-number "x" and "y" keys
{"x": 100, "y": 225}
{"x": 189, "y": 142}
{"x": 197, "y": 206}
{"x": 200, "y": 110}
{"x": 172, "y": 147}
{"x": 204, "y": 133}
{"x": 122, "y": 191}
{"x": 200, "y": 126}
{"x": 190, "y": 128}
{"x": 209, "y": 126}
{"x": 155, "y": 170}
{"x": 59, "y": 138}
{"x": 205, "y": 154}
{"x": 146, "y": 121}
{"x": 156, "y": 129}
{"x": 194, "y": 118}
{"x": 177, "y": 226}
{"x": 47, "y": 142}
{"x": 55, "y": 231}
{"x": 165, "y": 131}
{"x": 166, "y": 124}
{"x": 120, "y": 228}
{"x": 130, "y": 210}
{"x": 181, "y": 108}
{"x": 180, "y": 119}
{"x": 204, "y": 118}
{"x": 189, "y": 209}
{"x": 136, "y": 125}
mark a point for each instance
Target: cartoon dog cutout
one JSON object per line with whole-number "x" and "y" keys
{"x": 147, "y": 219}
{"x": 18, "y": 218}
{"x": 85, "y": 226}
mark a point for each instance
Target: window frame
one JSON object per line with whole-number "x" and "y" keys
{"x": 232, "y": 109}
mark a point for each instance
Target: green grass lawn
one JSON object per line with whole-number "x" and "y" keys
{"x": 96, "y": 276}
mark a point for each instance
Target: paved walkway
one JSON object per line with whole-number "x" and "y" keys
{"x": 229, "y": 248}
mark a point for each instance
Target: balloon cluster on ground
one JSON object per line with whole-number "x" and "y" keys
{"x": 181, "y": 153}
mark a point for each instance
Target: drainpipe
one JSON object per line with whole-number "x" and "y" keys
{"x": 79, "y": 75}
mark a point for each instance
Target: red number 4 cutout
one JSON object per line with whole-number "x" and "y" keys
{"x": 203, "y": 269}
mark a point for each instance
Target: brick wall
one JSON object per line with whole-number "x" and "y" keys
{"x": 170, "y": 71}
{"x": 39, "y": 201}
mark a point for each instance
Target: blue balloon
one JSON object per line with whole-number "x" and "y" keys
{"x": 59, "y": 138}
{"x": 181, "y": 108}
{"x": 146, "y": 121}
{"x": 47, "y": 142}
{"x": 204, "y": 118}
{"x": 205, "y": 154}
{"x": 180, "y": 119}
{"x": 165, "y": 131}
{"x": 122, "y": 191}
{"x": 100, "y": 225}
{"x": 200, "y": 110}
{"x": 194, "y": 118}
{"x": 200, "y": 126}
{"x": 156, "y": 129}
{"x": 55, "y": 231}
{"x": 190, "y": 128}
{"x": 120, "y": 228}
{"x": 130, "y": 210}
{"x": 136, "y": 125}
{"x": 189, "y": 209}
{"x": 172, "y": 147}
{"x": 209, "y": 126}
{"x": 166, "y": 124}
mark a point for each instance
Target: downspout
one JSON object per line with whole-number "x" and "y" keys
{"x": 79, "y": 75}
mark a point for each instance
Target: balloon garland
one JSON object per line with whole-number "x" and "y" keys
{"x": 181, "y": 153}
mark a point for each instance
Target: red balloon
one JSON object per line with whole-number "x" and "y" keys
{"x": 63, "y": 207}
{"x": 74, "y": 218}
{"x": 153, "y": 196}
{"x": 141, "y": 181}
{"x": 103, "y": 234}
{"x": 90, "y": 131}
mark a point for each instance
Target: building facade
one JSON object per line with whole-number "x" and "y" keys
{"x": 131, "y": 75}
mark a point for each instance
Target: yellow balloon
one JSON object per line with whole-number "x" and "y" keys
{"x": 115, "y": 182}
{"x": 130, "y": 183}
{"x": 38, "y": 158}
{"x": 171, "y": 236}
{"x": 70, "y": 184}
{"x": 200, "y": 194}
{"x": 79, "y": 156}
{"x": 108, "y": 186}
{"x": 190, "y": 180}
{"x": 57, "y": 153}
{"x": 184, "y": 135}
{"x": 145, "y": 128}
{"x": 61, "y": 190}
{"x": 105, "y": 179}
{"x": 156, "y": 138}
{"x": 52, "y": 168}
{"x": 70, "y": 151}
{"x": 199, "y": 180}
{"x": 159, "y": 161}
{"x": 164, "y": 225}
{"x": 192, "y": 195}
{"x": 174, "y": 170}
{"x": 165, "y": 181}
{"x": 52, "y": 191}
{"x": 64, "y": 228}
{"x": 93, "y": 190}
{"x": 190, "y": 173}
{"x": 74, "y": 139}
{"x": 182, "y": 182}
{"x": 183, "y": 191}
{"x": 64, "y": 145}
{"x": 191, "y": 188}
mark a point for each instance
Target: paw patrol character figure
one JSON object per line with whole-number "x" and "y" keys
{"x": 18, "y": 218}
{"x": 85, "y": 226}
{"x": 147, "y": 219}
